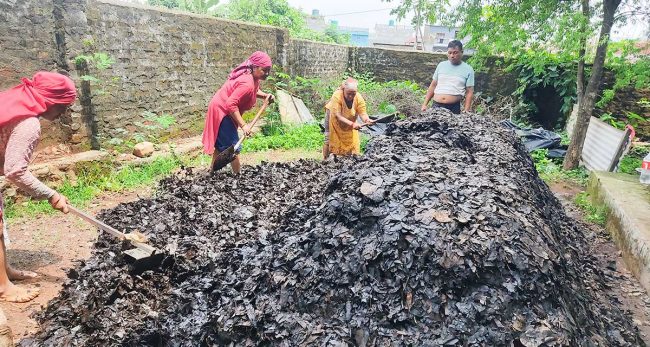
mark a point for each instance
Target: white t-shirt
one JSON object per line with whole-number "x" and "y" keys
{"x": 453, "y": 79}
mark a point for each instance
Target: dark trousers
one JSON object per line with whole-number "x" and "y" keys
{"x": 454, "y": 108}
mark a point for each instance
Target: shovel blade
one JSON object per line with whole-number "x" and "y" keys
{"x": 224, "y": 158}
{"x": 143, "y": 258}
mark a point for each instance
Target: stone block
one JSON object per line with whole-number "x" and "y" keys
{"x": 143, "y": 149}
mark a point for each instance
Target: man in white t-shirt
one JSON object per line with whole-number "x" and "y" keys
{"x": 452, "y": 80}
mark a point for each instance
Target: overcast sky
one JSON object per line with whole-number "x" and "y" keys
{"x": 367, "y": 13}
{"x": 356, "y": 13}
{"x": 377, "y": 11}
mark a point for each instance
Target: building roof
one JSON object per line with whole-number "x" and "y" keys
{"x": 392, "y": 34}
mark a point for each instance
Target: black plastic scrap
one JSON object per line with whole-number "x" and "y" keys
{"x": 442, "y": 234}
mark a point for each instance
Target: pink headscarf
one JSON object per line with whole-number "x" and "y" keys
{"x": 258, "y": 58}
{"x": 35, "y": 96}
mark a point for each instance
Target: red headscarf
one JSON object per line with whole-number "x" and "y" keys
{"x": 33, "y": 97}
{"x": 258, "y": 58}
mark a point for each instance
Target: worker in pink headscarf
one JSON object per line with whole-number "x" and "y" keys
{"x": 235, "y": 97}
{"x": 47, "y": 95}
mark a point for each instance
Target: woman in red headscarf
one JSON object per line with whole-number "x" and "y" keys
{"x": 46, "y": 95}
{"x": 235, "y": 97}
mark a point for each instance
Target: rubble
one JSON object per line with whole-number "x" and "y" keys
{"x": 442, "y": 234}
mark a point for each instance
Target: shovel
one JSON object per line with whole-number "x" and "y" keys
{"x": 381, "y": 120}
{"x": 143, "y": 255}
{"x": 225, "y": 157}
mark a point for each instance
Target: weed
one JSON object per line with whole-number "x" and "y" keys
{"x": 633, "y": 160}
{"x": 551, "y": 171}
{"x": 364, "y": 141}
{"x": 96, "y": 178}
{"x": 629, "y": 164}
{"x": 306, "y": 136}
{"x": 593, "y": 214}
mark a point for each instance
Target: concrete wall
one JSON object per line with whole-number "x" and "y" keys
{"x": 167, "y": 62}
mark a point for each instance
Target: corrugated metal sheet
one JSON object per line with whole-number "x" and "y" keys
{"x": 601, "y": 145}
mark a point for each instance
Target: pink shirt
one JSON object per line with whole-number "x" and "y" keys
{"x": 239, "y": 94}
{"x": 18, "y": 139}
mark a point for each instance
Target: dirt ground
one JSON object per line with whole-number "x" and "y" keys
{"x": 49, "y": 245}
{"x": 626, "y": 287}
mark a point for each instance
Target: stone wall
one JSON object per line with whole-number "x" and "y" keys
{"x": 389, "y": 64}
{"x": 625, "y": 101}
{"x": 26, "y": 39}
{"x": 27, "y": 44}
{"x": 316, "y": 59}
{"x": 167, "y": 62}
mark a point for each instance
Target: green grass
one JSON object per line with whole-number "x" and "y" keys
{"x": 628, "y": 165}
{"x": 630, "y": 162}
{"x": 593, "y": 214}
{"x": 364, "y": 138}
{"x": 96, "y": 178}
{"x": 551, "y": 171}
{"x": 307, "y": 136}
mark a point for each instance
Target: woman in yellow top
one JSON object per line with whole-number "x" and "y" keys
{"x": 344, "y": 107}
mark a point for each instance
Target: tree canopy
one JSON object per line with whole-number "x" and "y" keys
{"x": 534, "y": 35}
{"x": 268, "y": 12}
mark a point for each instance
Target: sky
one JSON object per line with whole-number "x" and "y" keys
{"x": 367, "y": 13}
{"x": 377, "y": 11}
{"x": 373, "y": 11}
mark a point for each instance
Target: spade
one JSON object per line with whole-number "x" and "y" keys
{"x": 143, "y": 255}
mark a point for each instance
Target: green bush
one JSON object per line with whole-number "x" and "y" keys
{"x": 404, "y": 97}
{"x": 550, "y": 170}
{"x": 630, "y": 162}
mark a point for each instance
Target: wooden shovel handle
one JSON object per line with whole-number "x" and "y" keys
{"x": 262, "y": 109}
{"x": 101, "y": 225}
{"x": 257, "y": 116}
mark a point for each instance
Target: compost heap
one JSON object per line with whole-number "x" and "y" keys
{"x": 441, "y": 234}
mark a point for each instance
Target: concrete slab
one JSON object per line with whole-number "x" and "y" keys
{"x": 628, "y": 218}
{"x": 292, "y": 109}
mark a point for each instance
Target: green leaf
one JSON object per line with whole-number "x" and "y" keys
{"x": 89, "y": 78}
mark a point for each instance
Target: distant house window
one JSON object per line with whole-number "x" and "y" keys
{"x": 440, "y": 37}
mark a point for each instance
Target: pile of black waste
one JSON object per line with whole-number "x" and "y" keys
{"x": 442, "y": 234}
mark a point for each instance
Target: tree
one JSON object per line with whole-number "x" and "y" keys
{"x": 424, "y": 12}
{"x": 164, "y": 3}
{"x": 194, "y": 6}
{"x": 524, "y": 30}
{"x": 268, "y": 12}
{"x": 278, "y": 13}
{"x": 552, "y": 25}
{"x": 587, "y": 101}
